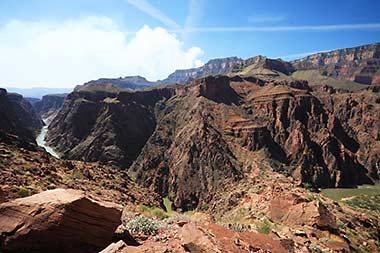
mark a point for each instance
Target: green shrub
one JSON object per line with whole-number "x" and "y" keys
{"x": 153, "y": 212}
{"x": 167, "y": 204}
{"x": 23, "y": 192}
{"x": 77, "y": 175}
{"x": 142, "y": 224}
{"x": 309, "y": 187}
{"x": 264, "y": 226}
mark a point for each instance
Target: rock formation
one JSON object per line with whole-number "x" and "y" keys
{"x": 49, "y": 105}
{"x": 360, "y": 64}
{"x": 57, "y": 221}
{"x": 128, "y": 82}
{"x": 221, "y": 66}
{"x": 18, "y": 116}
{"x": 105, "y": 126}
{"x": 181, "y": 141}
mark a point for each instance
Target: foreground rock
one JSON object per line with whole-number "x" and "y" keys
{"x": 57, "y": 221}
{"x": 205, "y": 237}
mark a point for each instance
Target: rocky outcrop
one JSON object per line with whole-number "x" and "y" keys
{"x": 221, "y": 66}
{"x": 57, "y": 221}
{"x": 128, "y": 82}
{"x": 205, "y": 237}
{"x": 29, "y": 170}
{"x": 99, "y": 125}
{"x": 187, "y": 158}
{"x": 49, "y": 105}
{"x": 360, "y": 64}
{"x": 256, "y": 64}
{"x": 357, "y": 113}
{"x": 293, "y": 211}
{"x": 18, "y": 116}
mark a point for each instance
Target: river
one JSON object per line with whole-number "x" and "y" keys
{"x": 41, "y": 139}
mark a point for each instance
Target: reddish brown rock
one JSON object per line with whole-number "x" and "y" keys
{"x": 57, "y": 221}
{"x": 296, "y": 212}
{"x": 360, "y": 64}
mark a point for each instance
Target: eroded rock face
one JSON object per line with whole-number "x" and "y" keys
{"x": 360, "y": 64}
{"x": 49, "y": 105}
{"x": 184, "y": 142}
{"x": 57, "y": 221}
{"x": 18, "y": 116}
{"x": 220, "y": 66}
{"x": 105, "y": 126}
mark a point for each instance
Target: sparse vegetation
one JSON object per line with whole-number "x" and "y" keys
{"x": 264, "y": 226}
{"x": 314, "y": 77}
{"x": 77, "y": 175}
{"x": 143, "y": 224}
{"x": 167, "y": 204}
{"x": 21, "y": 191}
{"x": 338, "y": 194}
{"x": 311, "y": 198}
{"x": 153, "y": 212}
{"x": 309, "y": 187}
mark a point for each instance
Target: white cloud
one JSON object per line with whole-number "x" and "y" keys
{"x": 75, "y": 51}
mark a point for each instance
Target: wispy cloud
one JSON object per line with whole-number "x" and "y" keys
{"x": 194, "y": 15}
{"x": 267, "y": 18}
{"x": 327, "y": 28}
{"x": 154, "y": 12}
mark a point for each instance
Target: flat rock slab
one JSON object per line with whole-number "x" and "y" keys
{"x": 57, "y": 220}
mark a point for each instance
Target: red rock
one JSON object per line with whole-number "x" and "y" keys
{"x": 291, "y": 212}
{"x": 57, "y": 221}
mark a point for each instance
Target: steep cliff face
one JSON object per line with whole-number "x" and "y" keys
{"x": 358, "y": 113}
{"x": 97, "y": 125}
{"x": 190, "y": 141}
{"x": 18, "y": 116}
{"x": 197, "y": 145}
{"x": 360, "y": 64}
{"x": 49, "y": 105}
{"x": 187, "y": 157}
{"x": 304, "y": 137}
{"x": 220, "y": 66}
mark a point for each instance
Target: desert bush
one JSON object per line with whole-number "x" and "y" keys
{"x": 153, "y": 212}
{"x": 264, "y": 226}
{"x": 142, "y": 224}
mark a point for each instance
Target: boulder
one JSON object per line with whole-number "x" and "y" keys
{"x": 57, "y": 221}
{"x": 295, "y": 212}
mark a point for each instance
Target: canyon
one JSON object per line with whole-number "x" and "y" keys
{"x": 235, "y": 147}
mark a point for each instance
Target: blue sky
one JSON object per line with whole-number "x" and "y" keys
{"x": 65, "y": 43}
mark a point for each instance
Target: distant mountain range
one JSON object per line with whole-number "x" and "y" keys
{"x": 358, "y": 64}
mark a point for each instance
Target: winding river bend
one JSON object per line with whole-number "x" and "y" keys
{"x": 41, "y": 138}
